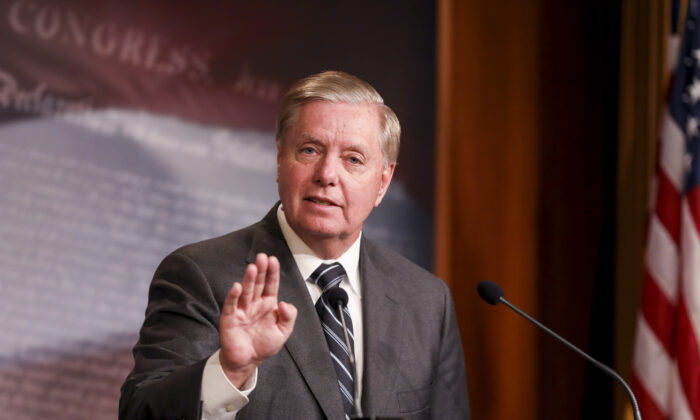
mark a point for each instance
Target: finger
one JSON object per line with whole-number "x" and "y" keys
{"x": 261, "y": 261}
{"x": 272, "y": 280}
{"x": 248, "y": 285}
{"x": 231, "y": 302}
{"x": 286, "y": 316}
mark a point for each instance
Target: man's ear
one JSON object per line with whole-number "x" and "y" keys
{"x": 387, "y": 174}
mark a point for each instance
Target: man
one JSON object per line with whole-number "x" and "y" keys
{"x": 243, "y": 322}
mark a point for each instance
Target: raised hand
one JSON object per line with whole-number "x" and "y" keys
{"x": 253, "y": 325}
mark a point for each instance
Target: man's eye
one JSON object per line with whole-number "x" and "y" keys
{"x": 354, "y": 160}
{"x": 307, "y": 150}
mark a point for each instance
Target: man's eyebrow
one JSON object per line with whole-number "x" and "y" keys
{"x": 358, "y": 147}
{"x": 310, "y": 137}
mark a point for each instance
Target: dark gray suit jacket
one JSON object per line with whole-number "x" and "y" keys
{"x": 414, "y": 364}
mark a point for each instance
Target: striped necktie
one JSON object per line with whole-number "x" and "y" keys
{"x": 328, "y": 276}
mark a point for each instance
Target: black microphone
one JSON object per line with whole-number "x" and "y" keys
{"x": 493, "y": 294}
{"x": 338, "y": 298}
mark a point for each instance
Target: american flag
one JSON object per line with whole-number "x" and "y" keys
{"x": 667, "y": 353}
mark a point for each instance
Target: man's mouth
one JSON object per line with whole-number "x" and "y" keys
{"x": 320, "y": 201}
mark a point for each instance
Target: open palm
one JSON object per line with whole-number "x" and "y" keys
{"x": 254, "y": 325}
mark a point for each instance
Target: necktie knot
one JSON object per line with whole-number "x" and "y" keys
{"x": 327, "y": 276}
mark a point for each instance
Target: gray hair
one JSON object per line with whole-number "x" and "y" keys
{"x": 340, "y": 87}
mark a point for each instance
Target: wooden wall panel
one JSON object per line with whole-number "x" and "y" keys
{"x": 526, "y": 148}
{"x": 487, "y": 189}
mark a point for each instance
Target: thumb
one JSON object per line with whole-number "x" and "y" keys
{"x": 287, "y": 315}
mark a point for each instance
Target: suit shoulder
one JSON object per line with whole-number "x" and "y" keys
{"x": 213, "y": 257}
{"x": 403, "y": 270}
{"x": 224, "y": 246}
{"x": 209, "y": 264}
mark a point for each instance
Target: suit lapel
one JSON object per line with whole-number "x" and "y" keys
{"x": 382, "y": 327}
{"x": 307, "y": 344}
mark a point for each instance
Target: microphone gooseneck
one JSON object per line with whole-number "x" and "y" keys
{"x": 493, "y": 294}
{"x": 338, "y": 298}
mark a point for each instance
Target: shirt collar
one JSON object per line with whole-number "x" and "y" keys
{"x": 307, "y": 261}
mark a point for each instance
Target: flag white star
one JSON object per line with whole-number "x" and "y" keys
{"x": 696, "y": 54}
{"x": 694, "y": 90}
{"x": 687, "y": 162}
{"x": 691, "y": 127}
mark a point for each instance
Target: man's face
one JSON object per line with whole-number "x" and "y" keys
{"x": 331, "y": 173}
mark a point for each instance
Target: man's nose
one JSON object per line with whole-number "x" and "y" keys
{"x": 327, "y": 171}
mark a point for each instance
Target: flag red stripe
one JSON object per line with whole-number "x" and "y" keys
{"x": 647, "y": 406}
{"x": 658, "y": 313}
{"x": 668, "y": 206}
{"x": 670, "y": 310}
{"x": 688, "y": 358}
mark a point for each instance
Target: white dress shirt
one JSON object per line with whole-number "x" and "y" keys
{"x": 222, "y": 400}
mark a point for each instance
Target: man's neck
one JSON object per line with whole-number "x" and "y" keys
{"x": 324, "y": 247}
{"x": 327, "y": 248}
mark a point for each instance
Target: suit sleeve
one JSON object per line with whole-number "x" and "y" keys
{"x": 449, "y": 396}
{"x": 179, "y": 333}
